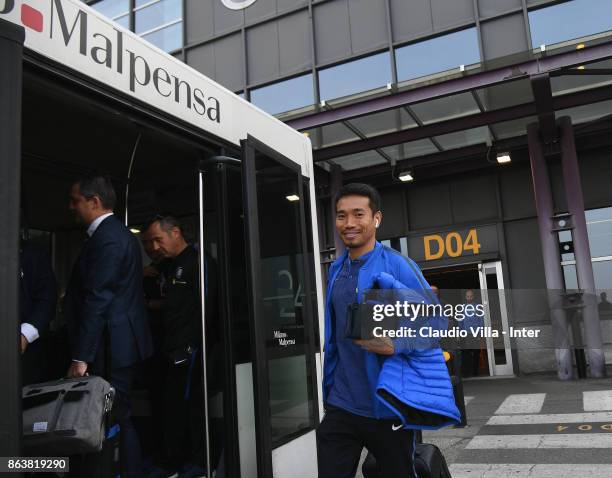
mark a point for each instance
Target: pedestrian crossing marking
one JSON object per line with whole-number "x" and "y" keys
{"x": 527, "y": 470}
{"x": 597, "y": 400}
{"x": 553, "y": 418}
{"x": 539, "y": 441}
{"x": 522, "y": 403}
{"x": 539, "y": 436}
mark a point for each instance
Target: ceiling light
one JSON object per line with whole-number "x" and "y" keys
{"x": 581, "y": 67}
{"x": 134, "y": 230}
{"x": 406, "y": 176}
{"x": 503, "y": 158}
{"x": 293, "y": 197}
{"x": 580, "y": 46}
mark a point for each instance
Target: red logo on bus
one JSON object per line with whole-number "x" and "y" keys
{"x": 31, "y": 18}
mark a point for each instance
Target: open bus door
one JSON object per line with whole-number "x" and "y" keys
{"x": 281, "y": 312}
{"x": 11, "y": 57}
{"x": 262, "y": 400}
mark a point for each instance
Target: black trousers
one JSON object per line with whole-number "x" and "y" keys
{"x": 183, "y": 408}
{"x": 341, "y": 437}
{"x": 470, "y": 362}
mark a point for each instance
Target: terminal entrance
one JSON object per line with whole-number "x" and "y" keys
{"x": 478, "y": 283}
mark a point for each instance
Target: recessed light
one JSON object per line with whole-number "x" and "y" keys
{"x": 406, "y": 176}
{"x": 293, "y": 197}
{"x": 134, "y": 230}
{"x": 580, "y": 46}
{"x": 503, "y": 158}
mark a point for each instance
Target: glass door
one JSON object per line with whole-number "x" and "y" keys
{"x": 281, "y": 314}
{"x": 228, "y": 382}
{"x": 496, "y": 316}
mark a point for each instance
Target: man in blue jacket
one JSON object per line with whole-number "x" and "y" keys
{"x": 375, "y": 391}
{"x": 105, "y": 307}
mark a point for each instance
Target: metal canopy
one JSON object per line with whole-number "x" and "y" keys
{"x": 462, "y": 123}
{"x": 482, "y": 107}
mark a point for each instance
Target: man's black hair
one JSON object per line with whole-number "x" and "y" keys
{"x": 166, "y": 221}
{"x": 361, "y": 189}
{"x": 98, "y": 185}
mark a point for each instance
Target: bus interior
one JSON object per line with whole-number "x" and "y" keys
{"x": 260, "y": 387}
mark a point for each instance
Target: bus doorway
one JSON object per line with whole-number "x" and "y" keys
{"x": 259, "y": 393}
{"x": 69, "y": 132}
{"x": 480, "y": 283}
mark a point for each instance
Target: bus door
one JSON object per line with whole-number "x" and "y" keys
{"x": 261, "y": 379}
{"x": 281, "y": 312}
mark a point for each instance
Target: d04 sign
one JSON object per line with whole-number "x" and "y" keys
{"x": 451, "y": 244}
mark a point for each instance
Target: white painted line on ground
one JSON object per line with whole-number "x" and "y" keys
{"x": 542, "y": 419}
{"x": 526, "y": 470}
{"x": 533, "y": 442}
{"x": 596, "y": 401}
{"x": 467, "y": 400}
{"x": 522, "y": 403}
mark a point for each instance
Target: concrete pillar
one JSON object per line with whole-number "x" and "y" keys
{"x": 11, "y": 46}
{"x": 550, "y": 253}
{"x": 584, "y": 266}
{"x": 335, "y": 183}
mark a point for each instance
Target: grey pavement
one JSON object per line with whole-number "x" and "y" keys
{"x": 532, "y": 426}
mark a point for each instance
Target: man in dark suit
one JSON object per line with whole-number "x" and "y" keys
{"x": 105, "y": 300}
{"x": 38, "y": 300}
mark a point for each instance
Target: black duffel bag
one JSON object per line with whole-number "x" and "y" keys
{"x": 429, "y": 462}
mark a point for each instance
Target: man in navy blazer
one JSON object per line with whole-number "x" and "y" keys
{"x": 105, "y": 299}
{"x": 38, "y": 300}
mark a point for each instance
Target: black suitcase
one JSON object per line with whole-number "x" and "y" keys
{"x": 428, "y": 463}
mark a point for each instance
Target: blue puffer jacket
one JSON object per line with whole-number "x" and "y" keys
{"x": 412, "y": 383}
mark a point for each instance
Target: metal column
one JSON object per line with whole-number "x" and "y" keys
{"x": 11, "y": 53}
{"x": 335, "y": 184}
{"x": 582, "y": 252}
{"x": 550, "y": 253}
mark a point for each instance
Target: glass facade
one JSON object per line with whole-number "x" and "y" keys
{"x": 355, "y": 77}
{"x": 376, "y": 71}
{"x": 599, "y": 229}
{"x": 372, "y": 72}
{"x": 569, "y": 20}
{"x": 285, "y": 96}
{"x": 438, "y": 54}
{"x": 158, "y": 21}
{"x": 156, "y": 14}
{"x": 112, "y": 8}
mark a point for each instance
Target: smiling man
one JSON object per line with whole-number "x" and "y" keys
{"x": 367, "y": 401}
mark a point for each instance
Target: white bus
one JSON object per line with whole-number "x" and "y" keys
{"x": 80, "y": 93}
